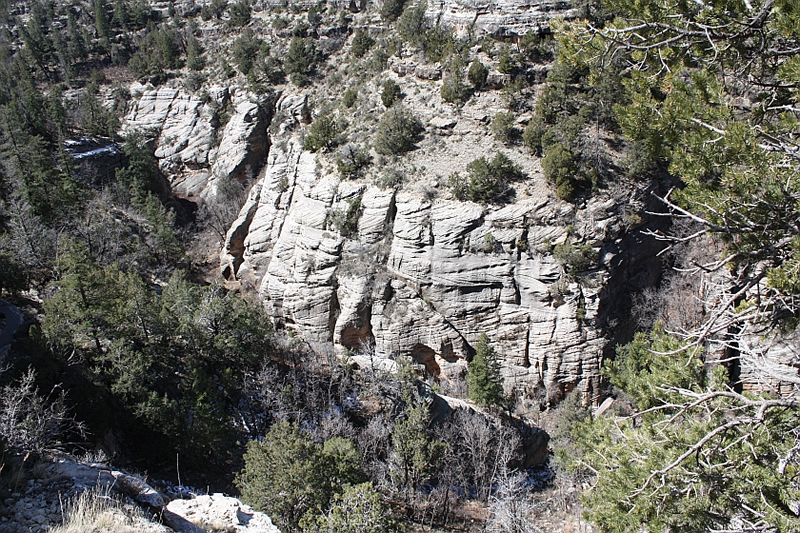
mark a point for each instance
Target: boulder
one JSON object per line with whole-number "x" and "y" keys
{"x": 216, "y": 512}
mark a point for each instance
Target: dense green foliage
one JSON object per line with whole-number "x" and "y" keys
{"x": 453, "y": 88}
{"x": 392, "y": 9}
{"x": 483, "y": 377}
{"x": 247, "y": 50}
{"x": 301, "y": 59}
{"x": 681, "y": 109}
{"x": 171, "y": 360}
{"x": 477, "y": 74}
{"x": 486, "y": 181}
{"x": 702, "y": 99}
{"x": 359, "y": 509}
{"x": 696, "y": 456}
{"x": 239, "y": 14}
{"x": 415, "y": 454}
{"x": 287, "y": 475}
{"x": 398, "y": 131}
{"x": 391, "y": 93}
{"x": 504, "y": 128}
{"x": 362, "y": 43}
{"x": 326, "y": 132}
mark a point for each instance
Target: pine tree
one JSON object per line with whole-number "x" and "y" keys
{"x": 694, "y": 456}
{"x": 414, "y": 452}
{"x": 484, "y": 380}
{"x": 101, "y": 25}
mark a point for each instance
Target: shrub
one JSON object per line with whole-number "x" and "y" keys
{"x": 506, "y": 63}
{"x": 488, "y": 181}
{"x": 560, "y": 169}
{"x": 477, "y": 74}
{"x": 439, "y": 43}
{"x": 360, "y": 509}
{"x": 240, "y": 14}
{"x": 362, "y": 43}
{"x": 213, "y": 10}
{"x": 194, "y": 54}
{"x": 459, "y": 186}
{"x": 280, "y": 23}
{"x": 391, "y": 9}
{"x": 29, "y": 422}
{"x": 287, "y": 475}
{"x": 536, "y": 47}
{"x": 398, "y": 132}
{"x": 15, "y": 277}
{"x": 411, "y": 25}
{"x": 282, "y": 476}
{"x": 325, "y": 133}
{"x": 483, "y": 375}
{"x": 390, "y": 178}
{"x": 532, "y": 136}
{"x": 246, "y": 50}
{"x": 346, "y": 222}
{"x": 573, "y": 257}
{"x": 453, "y": 90}
{"x": 349, "y": 97}
{"x": 352, "y": 161}
{"x": 301, "y": 59}
{"x": 504, "y": 128}
{"x": 391, "y": 93}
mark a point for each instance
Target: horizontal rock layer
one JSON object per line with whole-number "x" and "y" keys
{"x": 419, "y": 277}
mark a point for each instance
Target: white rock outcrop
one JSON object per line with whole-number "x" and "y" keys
{"x": 419, "y": 277}
{"x": 500, "y": 19}
{"x": 193, "y": 150}
{"x": 216, "y": 512}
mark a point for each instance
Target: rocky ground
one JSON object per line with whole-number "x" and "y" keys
{"x": 68, "y": 496}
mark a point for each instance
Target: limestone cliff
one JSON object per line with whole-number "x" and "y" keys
{"x": 510, "y": 18}
{"x": 195, "y": 149}
{"x": 415, "y": 272}
{"x": 425, "y": 277}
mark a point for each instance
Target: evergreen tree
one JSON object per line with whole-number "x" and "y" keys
{"x": 398, "y": 131}
{"x": 291, "y": 478}
{"x": 359, "y": 509}
{"x": 391, "y": 9}
{"x": 477, "y": 74}
{"x": 361, "y": 44}
{"x": 391, "y": 93}
{"x": 101, "y": 26}
{"x": 194, "y": 54}
{"x": 240, "y": 14}
{"x": 415, "y": 454}
{"x": 301, "y": 59}
{"x": 483, "y": 375}
{"x": 695, "y": 456}
{"x": 326, "y": 132}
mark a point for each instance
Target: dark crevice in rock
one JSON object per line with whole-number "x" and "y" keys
{"x": 635, "y": 265}
{"x": 425, "y": 355}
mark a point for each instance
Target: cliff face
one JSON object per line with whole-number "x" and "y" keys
{"x": 426, "y": 277}
{"x": 410, "y": 271}
{"x": 509, "y": 18}
{"x": 195, "y": 149}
